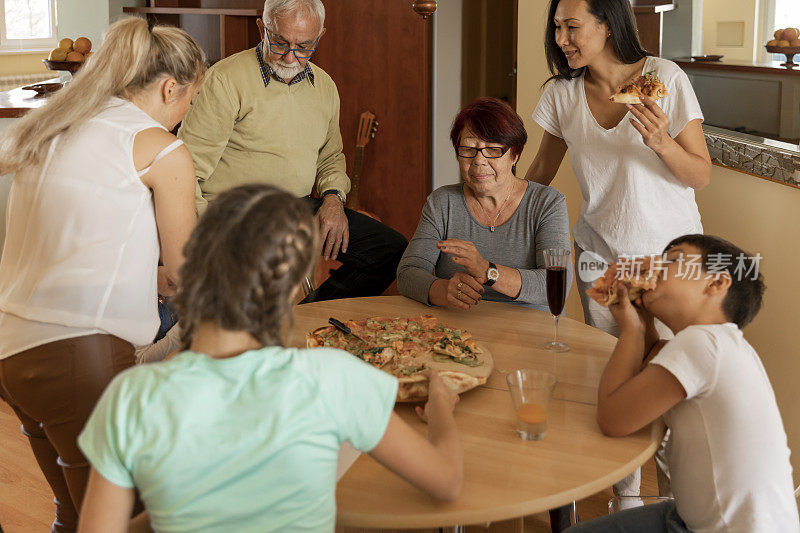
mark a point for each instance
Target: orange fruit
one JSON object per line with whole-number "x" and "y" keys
{"x": 795, "y": 43}
{"x": 783, "y": 44}
{"x": 531, "y": 413}
{"x": 57, "y": 54}
{"x": 82, "y": 45}
{"x": 773, "y": 42}
{"x": 790, "y": 34}
{"x": 65, "y": 44}
{"x": 74, "y": 56}
{"x": 778, "y": 34}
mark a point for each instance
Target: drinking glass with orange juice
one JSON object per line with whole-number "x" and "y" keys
{"x": 531, "y": 392}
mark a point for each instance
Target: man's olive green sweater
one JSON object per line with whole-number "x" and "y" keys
{"x": 240, "y": 131}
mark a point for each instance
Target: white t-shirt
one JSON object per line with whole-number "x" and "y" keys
{"x": 632, "y": 203}
{"x": 728, "y": 457}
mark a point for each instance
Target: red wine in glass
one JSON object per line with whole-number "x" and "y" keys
{"x": 555, "y": 262}
{"x": 556, "y": 288}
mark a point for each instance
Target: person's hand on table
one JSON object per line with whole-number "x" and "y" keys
{"x": 631, "y": 317}
{"x": 652, "y": 123}
{"x": 467, "y": 255}
{"x": 462, "y": 291}
{"x": 333, "y": 226}
{"x": 441, "y": 398}
{"x": 166, "y": 287}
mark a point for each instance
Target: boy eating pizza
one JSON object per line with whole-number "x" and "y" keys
{"x": 728, "y": 456}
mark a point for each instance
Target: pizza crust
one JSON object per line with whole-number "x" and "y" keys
{"x": 627, "y": 95}
{"x": 415, "y": 388}
{"x": 648, "y": 85}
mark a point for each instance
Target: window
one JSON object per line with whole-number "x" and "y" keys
{"x": 787, "y": 14}
{"x": 27, "y": 25}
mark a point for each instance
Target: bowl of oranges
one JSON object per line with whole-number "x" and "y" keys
{"x": 786, "y": 42}
{"x": 69, "y": 55}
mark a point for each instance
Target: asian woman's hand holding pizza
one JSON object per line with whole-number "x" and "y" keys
{"x": 652, "y": 123}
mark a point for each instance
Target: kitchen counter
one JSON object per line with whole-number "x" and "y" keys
{"x": 17, "y": 102}
{"x": 735, "y": 65}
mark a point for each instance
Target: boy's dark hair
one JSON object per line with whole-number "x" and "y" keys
{"x": 251, "y": 248}
{"x": 618, "y": 14}
{"x": 745, "y": 295}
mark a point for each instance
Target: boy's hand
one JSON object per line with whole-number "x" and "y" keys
{"x": 440, "y": 396}
{"x": 630, "y": 318}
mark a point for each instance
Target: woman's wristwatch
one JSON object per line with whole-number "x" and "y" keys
{"x": 492, "y": 274}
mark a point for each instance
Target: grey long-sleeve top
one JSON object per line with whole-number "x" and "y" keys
{"x": 540, "y": 222}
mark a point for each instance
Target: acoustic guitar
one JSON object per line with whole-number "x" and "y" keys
{"x": 367, "y": 128}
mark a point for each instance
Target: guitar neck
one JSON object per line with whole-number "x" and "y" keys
{"x": 355, "y": 182}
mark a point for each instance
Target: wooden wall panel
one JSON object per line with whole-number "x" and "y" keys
{"x": 379, "y": 54}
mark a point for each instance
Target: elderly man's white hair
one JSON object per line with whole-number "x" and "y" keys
{"x": 275, "y": 9}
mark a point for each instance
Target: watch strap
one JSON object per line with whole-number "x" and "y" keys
{"x": 490, "y": 282}
{"x": 339, "y": 194}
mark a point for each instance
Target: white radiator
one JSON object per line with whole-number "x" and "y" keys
{"x": 18, "y": 80}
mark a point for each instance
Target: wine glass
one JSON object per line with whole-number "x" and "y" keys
{"x": 555, "y": 262}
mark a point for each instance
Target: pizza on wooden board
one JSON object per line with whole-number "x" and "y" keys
{"x": 407, "y": 347}
{"x": 638, "y": 276}
{"x": 647, "y": 85}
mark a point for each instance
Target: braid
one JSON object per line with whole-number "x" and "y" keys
{"x": 250, "y": 250}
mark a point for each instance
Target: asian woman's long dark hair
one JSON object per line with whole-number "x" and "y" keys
{"x": 618, "y": 15}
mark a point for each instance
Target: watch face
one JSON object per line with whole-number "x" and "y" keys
{"x": 493, "y": 274}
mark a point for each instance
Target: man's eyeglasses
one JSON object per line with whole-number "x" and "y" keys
{"x": 282, "y": 49}
{"x": 489, "y": 152}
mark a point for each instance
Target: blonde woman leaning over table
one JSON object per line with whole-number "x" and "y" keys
{"x": 484, "y": 238}
{"x": 238, "y": 432}
{"x": 102, "y": 188}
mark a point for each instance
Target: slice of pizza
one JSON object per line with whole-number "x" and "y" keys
{"x": 638, "y": 276}
{"x": 461, "y": 351}
{"x": 647, "y": 85}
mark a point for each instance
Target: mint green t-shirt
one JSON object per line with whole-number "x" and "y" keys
{"x": 243, "y": 444}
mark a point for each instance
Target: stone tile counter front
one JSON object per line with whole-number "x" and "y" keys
{"x": 773, "y": 160}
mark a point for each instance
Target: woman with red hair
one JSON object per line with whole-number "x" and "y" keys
{"x": 484, "y": 238}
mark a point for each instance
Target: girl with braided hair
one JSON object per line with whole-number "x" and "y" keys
{"x": 238, "y": 432}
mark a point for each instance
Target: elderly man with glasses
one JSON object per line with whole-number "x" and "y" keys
{"x": 269, "y": 115}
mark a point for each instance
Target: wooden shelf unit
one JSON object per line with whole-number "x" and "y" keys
{"x": 220, "y": 31}
{"x": 193, "y": 11}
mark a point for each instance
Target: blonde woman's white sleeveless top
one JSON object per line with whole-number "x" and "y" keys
{"x": 81, "y": 249}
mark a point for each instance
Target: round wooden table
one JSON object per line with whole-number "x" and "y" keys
{"x": 504, "y": 476}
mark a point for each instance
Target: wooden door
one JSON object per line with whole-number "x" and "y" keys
{"x": 489, "y": 58}
{"x": 379, "y": 54}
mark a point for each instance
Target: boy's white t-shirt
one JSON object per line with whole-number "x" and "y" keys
{"x": 632, "y": 202}
{"x": 728, "y": 456}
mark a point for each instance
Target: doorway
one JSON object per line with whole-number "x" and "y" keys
{"x": 489, "y": 59}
